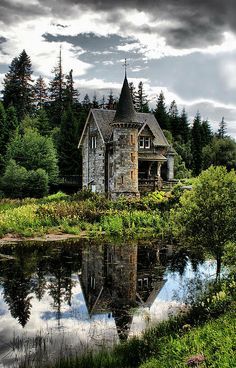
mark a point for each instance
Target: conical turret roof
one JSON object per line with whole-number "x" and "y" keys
{"x": 125, "y": 112}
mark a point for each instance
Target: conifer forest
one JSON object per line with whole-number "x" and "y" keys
{"x": 54, "y": 115}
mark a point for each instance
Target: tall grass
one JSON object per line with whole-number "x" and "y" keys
{"x": 83, "y": 212}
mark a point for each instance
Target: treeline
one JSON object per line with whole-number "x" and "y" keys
{"x": 36, "y": 117}
{"x": 196, "y": 145}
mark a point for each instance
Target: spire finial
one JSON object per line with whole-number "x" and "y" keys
{"x": 125, "y": 66}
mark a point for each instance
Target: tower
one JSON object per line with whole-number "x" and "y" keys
{"x": 124, "y": 175}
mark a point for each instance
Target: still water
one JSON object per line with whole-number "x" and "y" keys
{"x": 58, "y": 298}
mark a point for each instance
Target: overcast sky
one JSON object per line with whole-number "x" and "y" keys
{"x": 185, "y": 48}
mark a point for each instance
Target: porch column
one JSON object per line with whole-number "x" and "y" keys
{"x": 149, "y": 169}
{"x": 159, "y": 170}
{"x": 170, "y": 164}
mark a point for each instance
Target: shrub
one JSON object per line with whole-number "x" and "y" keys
{"x": 14, "y": 180}
{"x": 37, "y": 183}
{"x": 17, "y": 182}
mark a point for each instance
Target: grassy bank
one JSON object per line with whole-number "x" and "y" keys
{"x": 85, "y": 213}
{"x": 207, "y": 330}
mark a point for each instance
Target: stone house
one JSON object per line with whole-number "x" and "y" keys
{"x": 124, "y": 151}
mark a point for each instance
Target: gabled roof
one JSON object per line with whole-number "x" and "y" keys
{"x": 104, "y": 118}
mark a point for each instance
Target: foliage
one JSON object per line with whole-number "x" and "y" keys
{"x": 17, "y": 182}
{"x": 69, "y": 155}
{"x": 205, "y": 217}
{"x": 161, "y": 113}
{"x": 37, "y": 183}
{"x": 14, "y": 180}
{"x": 221, "y": 151}
{"x": 33, "y": 151}
{"x": 177, "y": 351}
{"x": 18, "y": 89}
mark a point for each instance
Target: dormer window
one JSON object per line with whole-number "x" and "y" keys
{"x": 144, "y": 142}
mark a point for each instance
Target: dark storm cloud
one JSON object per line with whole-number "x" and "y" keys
{"x": 91, "y": 41}
{"x": 15, "y": 11}
{"x": 194, "y": 23}
{"x": 190, "y": 23}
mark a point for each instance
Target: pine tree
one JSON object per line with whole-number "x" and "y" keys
{"x": 18, "y": 90}
{"x": 197, "y": 144}
{"x": 69, "y": 155}
{"x": 42, "y": 122}
{"x": 95, "y": 104}
{"x": 72, "y": 94}
{"x": 111, "y": 101}
{"x": 3, "y": 129}
{"x": 161, "y": 113}
{"x": 184, "y": 129}
{"x": 222, "y": 129}
{"x": 133, "y": 92}
{"x": 40, "y": 93}
{"x": 102, "y": 104}
{"x": 174, "y": 123}
{"x": 57, "y": 94}
{"x": 207, "y": 134}
{"x": 141, "y": 99}
{"x": 86, "y": 103}
{"x": 11, "y": 122}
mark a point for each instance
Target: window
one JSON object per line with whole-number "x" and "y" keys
{"x": 122, "y": 179}
{"x": 132, "y": 175}
{"x": 141, "y": 142}
{"x": 144, "y": 142}
{"x": 147, "y": 142}
{"x": 93, "y": 142}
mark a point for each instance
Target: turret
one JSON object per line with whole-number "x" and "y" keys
{"x": 124, "y": 175}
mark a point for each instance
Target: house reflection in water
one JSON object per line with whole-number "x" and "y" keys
{"x": 116, "y": 278}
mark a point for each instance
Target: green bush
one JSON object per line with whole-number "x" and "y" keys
{"x": 17, "y": 182}
{"x": 37, "y": 183}
{"x": 14, "y": 180}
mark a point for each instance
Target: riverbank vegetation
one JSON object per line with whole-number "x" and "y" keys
{"x": 182, "y": 341}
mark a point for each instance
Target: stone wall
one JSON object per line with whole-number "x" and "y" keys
{"x": 123, "y": 171}
{"x": 93, "y": 153}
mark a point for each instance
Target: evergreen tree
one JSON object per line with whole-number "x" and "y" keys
{"x": 95, "y": 104}
{"x": 133, "y": 92}
{"x": 161, "y": 113}
{"x": 197, "y": 144}
{"x": 18, "y": 89}
{"x": 42, "y": 122}
{"x": 102, "y": 104}
{"x": 72, "y": 94}
{"x": 69, "y": 155}
{"x": 174, "y": 123}
{"x": 141, "y": 99}
{"x": 184, "y": 129}
{"x": 11, "y": 123}
{"x": 3, "y": 128}
{"x": 111, "y": 101}
{"x": 40, "y": 93}
{"x": 222, "y": 128}
{"x": 86, "y": 103}
{"x": 207, "y": 134}
{"x": 57, "y": 94}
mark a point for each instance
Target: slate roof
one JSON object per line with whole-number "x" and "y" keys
{"x": 125, "y": 112}
{"x": 104, "y": 119}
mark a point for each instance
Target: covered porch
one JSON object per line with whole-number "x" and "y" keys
{"x": 152, "y": 172}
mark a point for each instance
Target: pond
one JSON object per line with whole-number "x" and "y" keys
{"x": 58, "y": 298}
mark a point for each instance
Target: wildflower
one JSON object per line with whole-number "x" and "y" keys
{"x": 195, "y": 360}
